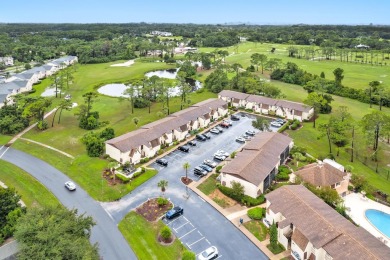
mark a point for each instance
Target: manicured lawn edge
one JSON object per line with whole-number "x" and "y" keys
{"x": 142, "y": 238}
{"x": 32, "y": 191}
{"x": 279, "y": 249}
{"x": 257, "y": 228}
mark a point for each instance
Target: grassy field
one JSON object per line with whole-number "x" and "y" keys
{"x": 208, "y": 186}
{"x": 356, "y": 75}
{"x": 33, "y": 192}
{"x": 4, "y": 139}
{"x": 142, "y": 237}
{"x": 85, "y": 171}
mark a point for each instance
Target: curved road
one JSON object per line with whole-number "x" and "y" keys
{"x": 112, "y": 244}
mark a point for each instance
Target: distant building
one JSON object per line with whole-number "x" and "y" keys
{"x": 8, "y": 61}
{"x": 362, "y": 46}
{"x": 159, "y": 33}
{"x": 243, "y": 39}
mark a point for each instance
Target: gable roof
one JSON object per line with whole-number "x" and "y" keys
{"x": 293, "y": 105}
{"x": 131, "y": 140}
{"x": 323, "y": 226}
{"x": 212, "y": 103}
{"x": 233, "y": 94}
{"x": 321, "y": 174}
{"x": 258, "y": 157}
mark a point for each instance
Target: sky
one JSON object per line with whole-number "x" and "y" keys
{"x": 276, "y": 12}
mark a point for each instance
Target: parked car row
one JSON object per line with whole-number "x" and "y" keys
{"x": 278, "y": 122}
{"x": 245, "y": 137}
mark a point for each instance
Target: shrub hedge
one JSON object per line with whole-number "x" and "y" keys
{"x": 244, "y": 199}
{"x": 256, "y": 213}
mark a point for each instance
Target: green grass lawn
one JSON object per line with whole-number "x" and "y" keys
{"x": 4, "y": 139}
{"x": 142, "y": 237}
{"x": 85, "y": 171}
{"x": 277, "y": 249}
{"x": 32, "y": 191}
{"x": 257, "y": 228}
{"x": 356, "y": 75}
{"x": 208, "y": 186}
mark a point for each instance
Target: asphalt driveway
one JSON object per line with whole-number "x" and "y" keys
{"x": 112, "y": 244}
{"x": 201, "y": 225}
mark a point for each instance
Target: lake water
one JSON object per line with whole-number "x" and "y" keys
{"x": 117, "y": 89}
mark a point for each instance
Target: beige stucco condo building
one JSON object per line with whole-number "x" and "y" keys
{"x": 313, "y": 230}
{"x": 147, "y": 141}
{"x": 256, "y": 165}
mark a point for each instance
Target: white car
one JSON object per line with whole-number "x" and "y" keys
{"x": 70, "y": 185}
{"x": 210, "y": 163}
{"x": 275, "y": 124}
{"x": 219, "y": 157}
{"x": 214, "y": 131}
{"x": 250, "y": 132}
{"x": 209, "y": 253}
{"x": 246, "y": 137}
{"x": 240, "y": 139}
{"x": 222, "y": 152}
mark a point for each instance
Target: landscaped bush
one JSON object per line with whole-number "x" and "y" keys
{"x": 298, "y": 149}
{"x": 145, "y": 160}
{"x": 188, "y": 255}
{"x": 162, "y": 201}
{"x": 282, "y": 176}
{"x": 136, "y": 174}
{"x": 244, "y": 199}
{"x": 218, "y": 169}
{"x": 284, "y": 169}
{"x": 293, "y": 127}
{"x": 166, "y": 233}
{"x": 256, "y": 213}
{"x": 122, "y": 178}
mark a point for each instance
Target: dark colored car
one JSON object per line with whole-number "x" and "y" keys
{"x": 162, "y": 162}
{"x": 192, "y": 143}
{"x": 234, "y": 118}
{"x": 200, "y": 137}
{"x": 176, "y": 211}
{"x": 224, "y": 125}
{"x": 206, "y": 167}
{"x": 184, "y": 148}
{"x": 207, "y": 135}
{"x": 199, "y": 171}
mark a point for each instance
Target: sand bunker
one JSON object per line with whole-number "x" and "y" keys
{"x": 125, "y": 64}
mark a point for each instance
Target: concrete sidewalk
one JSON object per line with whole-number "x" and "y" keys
{"x": 234, "y": 217}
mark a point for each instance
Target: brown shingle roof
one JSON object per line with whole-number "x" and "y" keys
{"x": 300, "y": 239}
{"x": 130, "y": 140}
{"x": 213, "y": 103}
{"x": 258, "y": 157}
{"x": 233, "y": 94}
{"x": 262, "y": 100}
{"x": 323, "y": 226}
{"x": 293, "y": 105}
{"x": 321, "y": 174}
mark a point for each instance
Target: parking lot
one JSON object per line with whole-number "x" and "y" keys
{"x": 201, "y": 226}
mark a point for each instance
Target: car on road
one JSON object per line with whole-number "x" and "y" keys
{"x": 219, "y": 157}
{"x": 201, "y": 137}
{"x": 207, "y": 135}
{"x": 210, "y": 163}
{"x": 192, "y": 143}
{"x": 199, "y": 171}
{"x": 214, "y": 131}
{"x": 234, "y": 118}
{"x": 184, "y": 148}
{"x": 222, "y": 152}
{"x": 175, "y": 212}
{"x": 162, "y": 161}
{"x": 206, "y": 167}
{"x": 70, "y": 185}
{"x": 250, "y": 132}
{"x": 240, "y": 139}
{"x": 209, "y": 253}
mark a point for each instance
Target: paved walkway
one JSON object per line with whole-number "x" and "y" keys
{"x": 8, "y": 250}
{"x": 47, "y": 146}
{"x": 357, "y": 206}
{"x": 16, "y": 137}
{"x": 234, "y": 218}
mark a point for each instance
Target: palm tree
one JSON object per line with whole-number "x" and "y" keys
{"x": 163, "y": 184}
{"x": 186, "y": 166}
{"x": 261, "y": 123}
{"x": 111, "y": 166}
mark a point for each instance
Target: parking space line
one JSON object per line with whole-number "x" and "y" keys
{"x": 200, "y": 233}
{"x": 174, "y": 221}
{"x": 187, "y": 233}
{"x": 189, "y": 246}
{"x": 208, "y": 241}
{"x": 181, "y": 226}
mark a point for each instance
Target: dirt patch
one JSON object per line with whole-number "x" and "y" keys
{"x": 185, "y": 180}
{"x": 217, "y": 195}
{"x": 110, "y": 178}
{"x": 151, "y": 211}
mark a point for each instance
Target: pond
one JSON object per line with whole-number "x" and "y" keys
{"x": 117, "y": 89}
